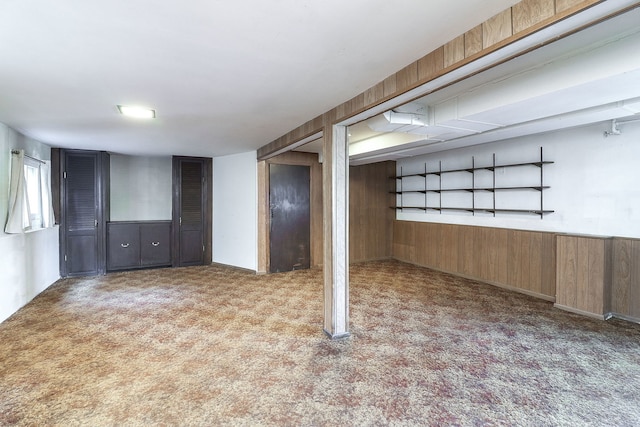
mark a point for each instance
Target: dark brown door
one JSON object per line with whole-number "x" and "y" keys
{"x": 289, "y": 201}
{"x": 81, "y": 204}
{"x": 190, "y": 211}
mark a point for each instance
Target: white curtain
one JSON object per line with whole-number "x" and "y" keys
{"x": 30, "y": 200}
{"x": 17, "y": 195}
{"x": 47, "y": 200}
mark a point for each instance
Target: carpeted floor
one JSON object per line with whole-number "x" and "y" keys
{"x": 218, "y": 346}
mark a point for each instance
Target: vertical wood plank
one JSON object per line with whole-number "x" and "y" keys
{"x": 525, "y": 260}
{"x": 317, "y": 237}
{"x": 605, "y": 302}
{"x": 391, "y": 202}
{"x": 390, "y": 85}
{"x": 454, "y": 51}
{"x": 501, "y": 264}
{"x": 548, "y": 264}
{"x": 370, "y": 216}
{"x": 374, "y": 94}
{"x": 527, "y": 13}
{"x": 429, "y": 66}
{"x": 634, "y": 282}
{"x": 450, "y": 242}
{"x": 404, "y": 244}
{"x": 566, "y": 265}
{"x": 481, "y": 258}
{"x": 514, "y": 258}
{"x": 466, "y": 254}
{"x": 263, "y": 228}
{"x": 407, "y": 77}
{"x": 490, "y": 251}
{"x": 496, "y": 29}
{"x": 535, "y": 261}
{"x": 596, "y": 270}
{"x": 426, "y": 244}
{"x": 621, "y": 284}
{"x": 581, "y": 286}
{"x": 473, "y": 41}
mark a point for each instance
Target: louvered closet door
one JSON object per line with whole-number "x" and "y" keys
{"x": 81, "y": 203}
{"x": 191, "y": 215}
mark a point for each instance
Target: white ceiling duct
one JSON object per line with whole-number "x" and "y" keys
{"x": 392, "y": 121}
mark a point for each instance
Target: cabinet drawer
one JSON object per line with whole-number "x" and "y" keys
{"x": 123, "y": 246}
{"x": 155, "y": 244}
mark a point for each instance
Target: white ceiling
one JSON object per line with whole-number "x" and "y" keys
{"x": 224, "y": 76}
{"x": 588, "y": 77}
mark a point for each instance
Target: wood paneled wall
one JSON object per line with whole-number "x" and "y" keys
{"x": 625, "y": 284}
{"x": 596, "y": 276}
{"x": 513, "y": 259}
{"x": 515, "y": 23}
{"x": 583, "y": 281}
{"x": 370, "y": 216}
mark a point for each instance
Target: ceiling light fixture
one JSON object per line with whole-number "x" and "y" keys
{"x": 137, "y": 112}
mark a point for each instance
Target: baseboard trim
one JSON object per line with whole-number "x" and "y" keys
{"x": 581, "y": 312}
{"x": 497, "y": 284}
{"x": 624, "y": 317}
{"x": 341, "y": 336}
{"x": 246, "y": 270}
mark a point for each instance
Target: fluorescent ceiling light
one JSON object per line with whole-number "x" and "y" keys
{"x": 137, "y": 112}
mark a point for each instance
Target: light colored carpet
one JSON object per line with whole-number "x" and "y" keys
{"x": 218, "y": 346}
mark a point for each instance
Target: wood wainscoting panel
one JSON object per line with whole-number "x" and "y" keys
{"x": 466, "y": 251}
{"x": 404, "y": 240}
{"x": 583, "y": 277}
{"x": 548, "y": 264}
{"x": 513, "y": 259}
{"x": 625, "y": 286}
{"x": 449, "y": 243}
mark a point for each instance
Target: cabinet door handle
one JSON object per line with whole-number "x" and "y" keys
{"x": 155, "y": 243}
{"x": 124, "y": 245}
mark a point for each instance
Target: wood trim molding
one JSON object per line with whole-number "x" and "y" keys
{"x": 289, "y": 158}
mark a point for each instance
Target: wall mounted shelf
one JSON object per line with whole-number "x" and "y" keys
{"x": 426, "y": 189}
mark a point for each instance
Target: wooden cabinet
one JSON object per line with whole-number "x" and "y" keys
{"x": 192, "y": 211}
{"x": 84, "y": 210}
{"x": 583, "y": 274}
{"x": 138, "y": 244}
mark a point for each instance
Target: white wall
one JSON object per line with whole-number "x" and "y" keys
{"x": 235, "y": 213}
{"x": 28, "y": 262}
{"x": 140, "y": 188}
{"x": 595, "y": 181}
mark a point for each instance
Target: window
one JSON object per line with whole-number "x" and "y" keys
{"x": 29, "y": 195}
{"x": 33, "y": 203}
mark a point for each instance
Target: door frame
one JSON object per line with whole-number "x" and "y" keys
{"x": 302, "y": 171}
{"x": 102, "y": 208}
{"x": 207, "y": 204}
{"x": 293, "y": 158}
